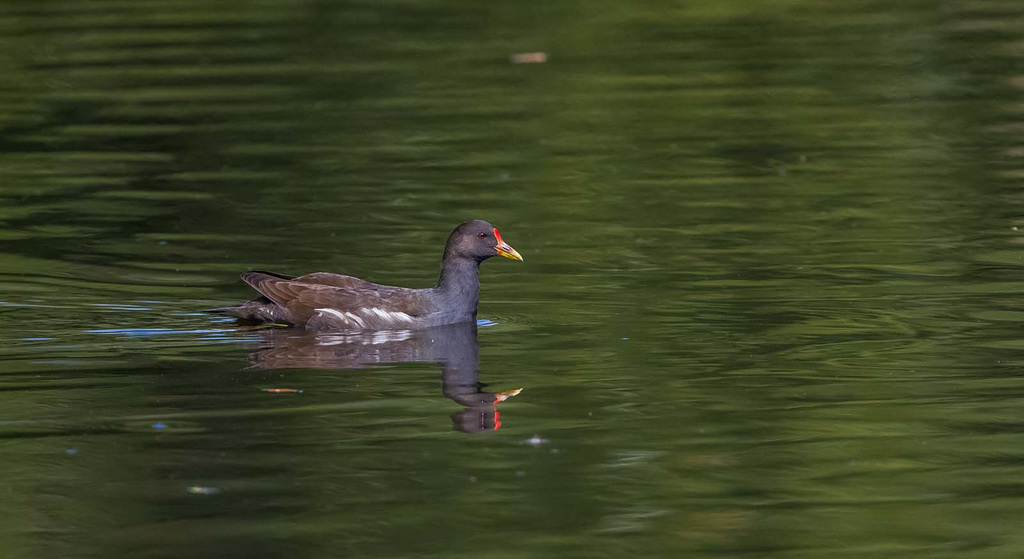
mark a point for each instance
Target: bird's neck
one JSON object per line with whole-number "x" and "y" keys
{"x": 459, "y": 284}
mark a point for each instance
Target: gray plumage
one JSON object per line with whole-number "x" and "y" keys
{"x": 324, "y": 301}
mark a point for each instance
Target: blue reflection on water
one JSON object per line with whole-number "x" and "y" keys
{"x": 144, "y": 332}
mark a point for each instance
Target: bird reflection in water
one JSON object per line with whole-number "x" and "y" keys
{"x": 454, "y": 347}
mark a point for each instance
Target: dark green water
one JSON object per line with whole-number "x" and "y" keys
{"x": 771, "y": 303}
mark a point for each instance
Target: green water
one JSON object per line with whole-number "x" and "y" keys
{"x": 770, "y": 304}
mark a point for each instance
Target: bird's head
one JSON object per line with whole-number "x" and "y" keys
{"x": 479, "y": 240}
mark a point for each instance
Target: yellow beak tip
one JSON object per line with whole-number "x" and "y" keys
{"x": 508, "y": 252}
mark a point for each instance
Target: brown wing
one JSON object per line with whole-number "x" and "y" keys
{"x": 365, "y": 305}
{"x": 336, "y": 280}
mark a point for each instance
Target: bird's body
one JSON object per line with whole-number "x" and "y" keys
{"x": 325, "y": 301}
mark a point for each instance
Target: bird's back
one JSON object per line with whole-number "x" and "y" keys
{"x": 324, "y": 301}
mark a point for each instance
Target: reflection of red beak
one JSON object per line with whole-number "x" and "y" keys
{"x": 502, "y": 396}
{"x": 504, "y": 250}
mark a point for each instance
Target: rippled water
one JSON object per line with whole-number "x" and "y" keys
{"x": 770, "y": 304}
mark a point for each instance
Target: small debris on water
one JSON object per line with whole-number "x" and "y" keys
{"x": 200, "y": 490}
{"x": 283, "y": 390}
{"x": 536, "y": 440}
{"x": 71, "y": 451}
{"x": 529, "y": 58}
{"x": 159, "y": 425}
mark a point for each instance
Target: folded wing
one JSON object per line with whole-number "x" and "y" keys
{"x": 334, "y": 301}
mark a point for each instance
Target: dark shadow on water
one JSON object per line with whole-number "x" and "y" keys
{"x": 454, "y": 347}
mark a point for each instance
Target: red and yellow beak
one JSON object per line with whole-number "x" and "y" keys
{"x": 503, "y": 249}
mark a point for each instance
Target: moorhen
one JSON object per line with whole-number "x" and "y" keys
{"x": 324, "y": 301}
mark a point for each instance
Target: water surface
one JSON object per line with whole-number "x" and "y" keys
{"x": 770, "y": 303}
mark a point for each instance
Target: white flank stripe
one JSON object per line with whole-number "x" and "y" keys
{"x": 333, "y": 312}
{"x": 355, "y": 318}
{"x": 389, "y": 316}
{"x": 346, "y": 317}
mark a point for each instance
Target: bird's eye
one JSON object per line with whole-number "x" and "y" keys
{"x": 482, "y": 235}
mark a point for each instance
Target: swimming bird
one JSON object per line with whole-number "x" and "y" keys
{"x": 324, "y": 301}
